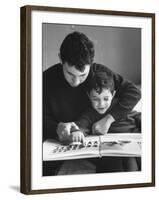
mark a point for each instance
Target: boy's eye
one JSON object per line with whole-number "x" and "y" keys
{"x": 83, "y": 75}
{"x": 106, "y": 99}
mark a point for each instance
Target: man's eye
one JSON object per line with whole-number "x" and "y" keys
{"x": 70, "y": 74}
{"x": 106, "y": 99}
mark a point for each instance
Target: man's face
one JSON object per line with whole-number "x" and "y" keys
{"x": 73, "y": 76}
{"x": 101, "y": 101}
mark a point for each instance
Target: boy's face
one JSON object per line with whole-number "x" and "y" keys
{"x": 73, "y": 76}
{"x": 101, "y": 101}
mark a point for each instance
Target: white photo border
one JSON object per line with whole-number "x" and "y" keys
{"x": 145, "y": 176}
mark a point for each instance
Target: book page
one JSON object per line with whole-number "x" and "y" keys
{"x": 53, "y": 150}
{"x": 121, "y": 144}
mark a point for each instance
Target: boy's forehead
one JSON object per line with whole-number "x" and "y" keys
{"x": 104, "y": 92}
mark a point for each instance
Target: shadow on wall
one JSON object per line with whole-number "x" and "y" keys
{"x": 15, "y": 188}
{"x": 116, "y": 47}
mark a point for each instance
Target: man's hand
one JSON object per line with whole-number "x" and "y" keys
{"x": 64, "y": 130}
{"x": 78, "y": 136}
{"x": 102, "y": 126}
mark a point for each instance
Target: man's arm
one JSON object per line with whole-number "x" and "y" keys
{"x": 49, "y": 124}
{"x": 56, "y": 130}
{"x": 126, "y": 97}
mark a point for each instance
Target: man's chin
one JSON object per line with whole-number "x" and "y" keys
{"x": 74, "y": 85}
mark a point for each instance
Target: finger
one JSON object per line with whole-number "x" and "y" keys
{"x": 83, "y": 139}
{"x": 76, "y": 138}
{"x": 73, "y": 138}
{"x": 79, "y": 138}
{"x": 95, "y": 130}
{"x": 74, "y": 126}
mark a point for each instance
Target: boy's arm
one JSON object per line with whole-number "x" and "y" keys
{"x": 102, "y": 126}
{"x": 86, "y": 121}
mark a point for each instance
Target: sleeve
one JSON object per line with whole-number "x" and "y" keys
{"x": 85, "y": 122}
{"x": 49, "y": 120}
{"x": 127, "y": 96}
{"x": 49, "y": 124}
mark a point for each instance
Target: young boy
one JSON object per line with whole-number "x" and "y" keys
{"x": 101, "y": 93}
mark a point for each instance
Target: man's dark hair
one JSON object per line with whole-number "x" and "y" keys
{"x": 102, "y": 80}
{"x": 77, "y": 50}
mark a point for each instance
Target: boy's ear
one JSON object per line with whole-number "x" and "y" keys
{"x": 114, "y": 93}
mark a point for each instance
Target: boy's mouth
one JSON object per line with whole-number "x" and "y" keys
{"x": 101, "y": 109}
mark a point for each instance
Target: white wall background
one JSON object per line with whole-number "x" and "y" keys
{"x": 10, "y": 98}
{"x": 116, "y": 47}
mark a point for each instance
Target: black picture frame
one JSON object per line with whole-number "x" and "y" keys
{"x": 26, "y": 95}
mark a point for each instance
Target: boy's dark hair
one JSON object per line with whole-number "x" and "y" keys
{"x": 102, "y": 80}
{"x": 77, "y": 50}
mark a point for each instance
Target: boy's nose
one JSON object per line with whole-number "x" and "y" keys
{"x": 101, "y": 103}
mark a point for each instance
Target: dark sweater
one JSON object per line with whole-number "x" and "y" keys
{"x": 130, "y": 124}
{"x": 63, "y": 103}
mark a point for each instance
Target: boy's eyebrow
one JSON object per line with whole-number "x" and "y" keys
{"x": 95, "y": 97}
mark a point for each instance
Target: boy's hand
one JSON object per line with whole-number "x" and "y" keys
{"x": 78, "y": 136}
{"x": 64, "y": 130}
{"x": 102, "y": 126}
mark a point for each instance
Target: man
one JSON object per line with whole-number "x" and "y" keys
{"x": 65, "y": 85}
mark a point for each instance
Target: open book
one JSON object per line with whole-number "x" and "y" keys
{"x": 122, "y": 144}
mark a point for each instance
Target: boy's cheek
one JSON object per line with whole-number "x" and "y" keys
{"x": 94, "y": 105}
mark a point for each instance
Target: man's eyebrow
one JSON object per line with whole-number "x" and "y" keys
{"x": 98, "y": 97}
{"x": 74, "y": 74}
